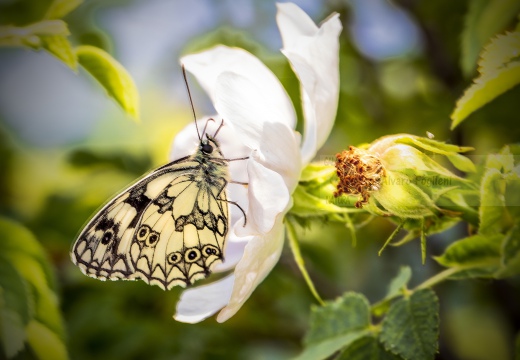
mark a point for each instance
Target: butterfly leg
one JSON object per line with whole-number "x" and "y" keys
{"x": 232, "y": 202}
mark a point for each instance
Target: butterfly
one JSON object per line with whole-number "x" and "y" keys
{"x": 169, "y": 228}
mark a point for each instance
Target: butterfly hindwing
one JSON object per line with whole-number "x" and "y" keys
{"x": 167, "y": 229}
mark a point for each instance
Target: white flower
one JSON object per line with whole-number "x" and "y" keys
{"x": 259, "y": 123}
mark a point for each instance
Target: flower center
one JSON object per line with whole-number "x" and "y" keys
{"x": 359, "y": 172}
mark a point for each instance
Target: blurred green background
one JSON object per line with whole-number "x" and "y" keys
{"x": 66, "y": 148}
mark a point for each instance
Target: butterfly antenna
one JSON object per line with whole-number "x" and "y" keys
{"x": 205, "y": 126}
{"x": 220, "y": 127}
{"x": 191, "y": 101}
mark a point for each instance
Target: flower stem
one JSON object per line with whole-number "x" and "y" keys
{"x": 295, "y": 247}
{"x": 391, "y": 237}
{"x": 440, "y": 277}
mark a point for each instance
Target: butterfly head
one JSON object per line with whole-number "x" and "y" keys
{"x": 209, "y": 146}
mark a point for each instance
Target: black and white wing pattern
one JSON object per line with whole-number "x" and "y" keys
{"x": 167, "y": 229}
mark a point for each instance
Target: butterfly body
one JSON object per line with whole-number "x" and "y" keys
{"x": 169, "y": 228}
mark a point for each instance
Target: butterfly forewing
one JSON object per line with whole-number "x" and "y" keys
{"x": 167, "y": 229}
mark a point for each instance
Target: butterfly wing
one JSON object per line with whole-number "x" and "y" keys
{"x": 158, "y": 229}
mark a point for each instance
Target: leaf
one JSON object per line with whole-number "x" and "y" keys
{"x": 60, "y": 8}
{"x": 511, "y": 253}
{"x": 436, "y": 147}
{"x": 12, "y": 332}
{"x": 17, "y": 239}
{"x": 411, "y": 327}
{"x": 30, "y": 35}
{"x": 335, "y": 325}
{"x": 484, "y": 19}
{"x": 320, "y": 172}
{"x": 45, "y": 343}
{"x": 349, "y": 312}
{"x": 24, "y": 252}
{"x": 512, "y": 194}
{"x": 15, "y": 294}
{"x": 478, "y": 253}
{"x": 15, "y": 308}
{"x": 492, "y": 202}
{"x": 112, "y": 76}
{"x": 306, "y": 204}
{"x": 367, "y": 348}
{"x": 327, "y": 347}
{"x": 499, "y": 69}
{"x": 462, "y": 163}
{"x": 399, "y": 196}
{"x": 395, "y": 288}
{"x": 46, "y": 305}
{"x": 60, "y": 47}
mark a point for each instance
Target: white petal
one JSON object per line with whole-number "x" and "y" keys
{"x": 260, "y": 125}
{"x": 260, "y": 256}
{"x": 234, "y": 250}
{"x": 208, "y": 65}
{"x": 280, "y": 151}
{"x": 201, "y": 302}
{"x": 248, "y": 105}
{"x": 313, "y": 54}
{"x": 186, "y": 141}
{"x": 268, "y": 197}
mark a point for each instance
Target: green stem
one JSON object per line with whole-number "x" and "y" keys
{"x": 295, "y": 247}
{"x": 423, "y": 242}
{"x": 391, "y": 237}
{"x": 440, "y": 277}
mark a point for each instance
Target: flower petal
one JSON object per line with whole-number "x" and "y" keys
{"x": 208, "y": 65}
{"x": 233, "y": 253}
{"x": 201, "y": 302}
{"x": 268, "y": 197}
{"x": 313, "y": 54}
{"x": 260, "y": 256}
{"x": 262, "y": 126}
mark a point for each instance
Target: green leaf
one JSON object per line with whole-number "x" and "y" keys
{"x": 347, "y": 313}
{"x": 478, "y": 253}
{"x": 512, "y": 194}
{"x": 24, "y": 252}
{"x": 318, "y": 172}
{"x": 30, "y": 35}
{"x": 492, "y": 202}
{"x": 15, "y": 294}
{"x": 411, "y": 327}
{"x": 59, "y": 46}
{"x": 15, "y": 308}
{"x": 399, "y": 196}
{"x": 335, "y": 325}
{"x": 45, "y": 343}
{"x": 396, "y": 288}
{"x": 60, "y": 8}
{"x": 399, "y": 282}
{"x": 298, "y": 258}
{"x": 16, "y": 239}
{"x": 499, "y": 69}
{"x": 504, "y": 161}
{"x": 367, "y": 348}
{"x": 436, "y": 147}
{"x": 46, "y": 305}
{"x": 484, "y": 19}
{"x": 462, "y": 163}
{"x": 308, "y": 205}
{"x": 112, "y": 76}
{"x": 12, "y": 331}
{"x": 511, "y": 253}
{"x": 327, "y": 347}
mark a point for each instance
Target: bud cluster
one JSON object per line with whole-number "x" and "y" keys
{"x": 359, "y": 173}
